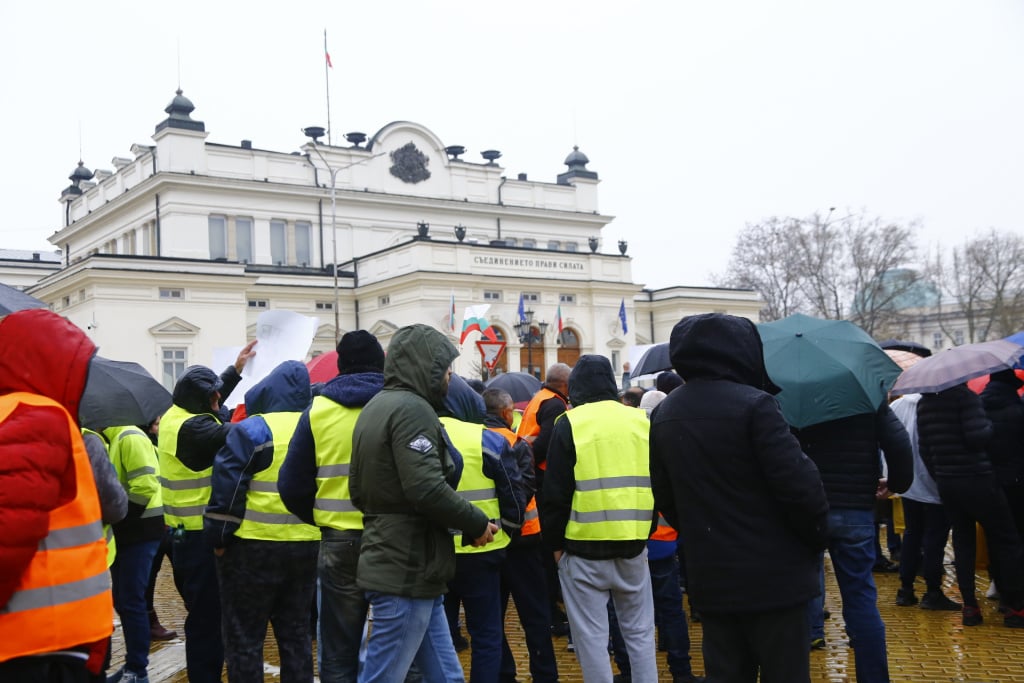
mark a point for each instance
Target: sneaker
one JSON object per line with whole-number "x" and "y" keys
{"x": 1014, "y": 618}
{"x": 570, "y": 646}
{"x": 818, "y": 644}
{"x": 971, "y": 615}
{"x": 560, "y": 629}
{"x": 937, "y": 600}
{"x": 115, "y": 676}
{"x": 905, "y": 598}
{"x": 885, "y": 566}
{"x": 132, "y": 677}
{"x": 992, "y": 593}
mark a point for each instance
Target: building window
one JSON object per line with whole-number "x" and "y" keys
{"x": 167, "y": 293}
{"x": 572, "y": 246}
{"x": 958, "y": 337}
{"x": 937, "y": 341}
{"x": 66, "y": 301}
{"x": 325, "y": 305}
{"x": 303, "y": 243}
{"x": 530, "y": 297}
{"x": 243, "y": 240}
{"x": 258, "y": 303}
{"x": 554, "y": 244}
{"x": 174, "y": 362}
{"x": 492, "y": 295}
{"x": 218, "y": 227}
{"x": 529, "y": 243}
{"x": 511, "y": 241}
{"x": 384, "y": 300}
{"x": 278, "y": 243}
{"x": 566, "y": 298}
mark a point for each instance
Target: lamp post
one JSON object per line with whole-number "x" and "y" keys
{"x": 313, "y": 133}
{"x": 524, "y": 328}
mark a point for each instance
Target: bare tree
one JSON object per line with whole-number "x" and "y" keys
{"x": 764, "y": 259}
{"x": 881, "y": 285}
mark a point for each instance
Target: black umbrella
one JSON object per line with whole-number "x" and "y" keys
{"x": 519, "y": 385}
{"x": 906, "y": 345}
{"x": 654, "y": 360}
{"x": 120, "y": 393}
{"x": 12, "y": 300}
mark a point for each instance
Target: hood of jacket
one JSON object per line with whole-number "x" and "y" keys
{"x": 716, "y": 346}
{"x": 592, "y": 380}
{"x": 418, "y": 359}
{"x": 1001, "y": 390}
{"x": 353, "y": 390}
{"x": 194, "y": 388}
{"x": 463, "y": 403}
{"x": 45, "y": 354}
{"x": 285, "y": 390}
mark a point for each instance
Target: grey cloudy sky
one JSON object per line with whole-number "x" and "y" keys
{"x": 699, "y": 117}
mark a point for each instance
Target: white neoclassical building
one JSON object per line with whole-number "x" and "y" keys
{"x": 177, "y": 249}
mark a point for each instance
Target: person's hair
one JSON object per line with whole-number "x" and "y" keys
{"x": 633, "y": 396}
{"x": 497, "y": 400}
{"x": 558, "y": 373}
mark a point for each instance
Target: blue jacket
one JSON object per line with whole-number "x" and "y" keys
{"x": 248, "y": 448}
{"x": 297, "y": 480}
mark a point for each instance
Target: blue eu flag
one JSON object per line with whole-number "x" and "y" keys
{"x": 622, "y": 316}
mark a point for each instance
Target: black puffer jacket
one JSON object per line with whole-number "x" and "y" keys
{"x": 846, "y": 453}
{"x": 730, "y": 477}
{"x": 953, "y": 433}
{"x": 1006, "y": 411}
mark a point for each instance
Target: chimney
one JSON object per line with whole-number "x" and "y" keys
{"x": 246, "y": 144}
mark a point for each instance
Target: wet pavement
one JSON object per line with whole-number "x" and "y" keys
{"x": 924, "y": 646}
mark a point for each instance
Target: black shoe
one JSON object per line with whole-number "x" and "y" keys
{"x": 937, "y": 600}
{"x": 460, "y": 643}
{"x": 688, "y": 678}
{"x": 905, "y": 598}
{"x": 818, "y": 644}
{"x": 560, "y": 629}
{"x": 971, "y": 616}
{"x": 1014, "y": 618}
{"x": 622, "y": 678}
{"x": 885, "y": 566}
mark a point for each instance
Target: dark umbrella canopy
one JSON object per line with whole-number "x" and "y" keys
{"x": 654, "y": 360}
{"x": 12, "y": 300}
{"x": 827, "y": 369}
{"x": 958, "y": 365}
{"x": 520, "y": 385}
{"x": 120, "y": 393}
{"x": 906, "y": 345}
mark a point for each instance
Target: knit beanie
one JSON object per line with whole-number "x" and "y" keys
{"x": 359, "y": 351}
{"x": 667, "y": 381}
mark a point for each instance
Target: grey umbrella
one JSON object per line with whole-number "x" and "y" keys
{"x": 654, "y": 360}
{"x": 520, "y": 385}
{"x": 12, "y": 300}
{"x": 120, "y": 393}
{"x": 957, "y": 365}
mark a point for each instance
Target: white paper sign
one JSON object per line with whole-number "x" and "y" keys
{"x": 280, "y": 336}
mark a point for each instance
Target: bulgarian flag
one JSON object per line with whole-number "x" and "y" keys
{"x": 558, "y": 319}
{"x": 474, "y": 320}
{"x": 451, "y": 314}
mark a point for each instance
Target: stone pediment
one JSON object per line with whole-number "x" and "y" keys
{"x": 174, "y": 327}
{"x": 383, "y": 328}
{"x": 616, "y": 343}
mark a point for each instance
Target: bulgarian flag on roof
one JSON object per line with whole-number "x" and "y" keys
{"x": 558, "y": 319}
{"x": 474, "y": 320}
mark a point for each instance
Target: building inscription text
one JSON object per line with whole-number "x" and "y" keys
{"x": 520, "y": 262}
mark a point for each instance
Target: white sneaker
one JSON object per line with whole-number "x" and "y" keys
{"x": 992, "y": 593}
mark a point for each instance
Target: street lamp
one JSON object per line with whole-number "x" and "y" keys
{"x": 524, "y": 328}
{"x": 314, "y": 132}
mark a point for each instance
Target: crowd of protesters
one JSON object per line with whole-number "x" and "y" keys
{"x": 379, "y": 512}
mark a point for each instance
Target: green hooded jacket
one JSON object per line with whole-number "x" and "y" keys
{"x": 402, "y": 471}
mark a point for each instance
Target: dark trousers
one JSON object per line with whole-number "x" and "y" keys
{"x": 673, "y": 632}
{"x": 738, "y": 646}
{"x": 45, "y": 669}
{"x": 195, "y": 575}
{"x": 981, "y": 499}
{"x": 477, "y": 584}
{"x": 924, "y": 543}
{"x": 342, "y": 607}
{"x": 163, "y": 550}
{"x": 129, "y": 576}
{"x": 522, "y": 578}
{"x": 268, "y": 582}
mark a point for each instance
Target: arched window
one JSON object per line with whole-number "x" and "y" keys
{"x": 568, "y": 346}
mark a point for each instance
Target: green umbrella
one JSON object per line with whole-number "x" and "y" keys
{"x": 827, "y": 369}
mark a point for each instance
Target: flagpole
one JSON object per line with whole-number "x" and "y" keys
{"x": 327, "y": 84}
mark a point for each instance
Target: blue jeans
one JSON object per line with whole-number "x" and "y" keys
{"x": 342, "y": 607}
{"x": 407, "y": 630}
{"x": 195, "y": 574}
{"x": 129, "y": 576}
{"x": 851, "y": 546}
{"x": 816, "y": 605}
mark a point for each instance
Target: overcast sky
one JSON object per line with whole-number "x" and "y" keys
{"x": 698, "y": 117}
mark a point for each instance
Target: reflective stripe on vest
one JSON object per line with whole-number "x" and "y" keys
{"x": 62, "y": 598}
{"x": 474, "y": 485}
{"x": 612, "y": 500}
{"x": 529, "y": 426}
{"x": 531, "y": 521}
{"x": 266, "y": 517}
{"x": 136, "y": 462}
{"x": 664, "y": 532}
{"x": 185, "y": 492}
{"x": 331, "y": 425}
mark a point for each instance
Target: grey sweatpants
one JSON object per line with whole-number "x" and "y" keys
{"x": 586, "y": 587}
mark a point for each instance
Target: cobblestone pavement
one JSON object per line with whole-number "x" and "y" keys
{"x": 924, "y": 647}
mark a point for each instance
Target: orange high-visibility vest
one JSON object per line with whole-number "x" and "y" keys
{"x": 528, "y": 426}
{"x": 63, "y": 597}
{"x": 664, "y": 532}
{"x": 531, "y": 522}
